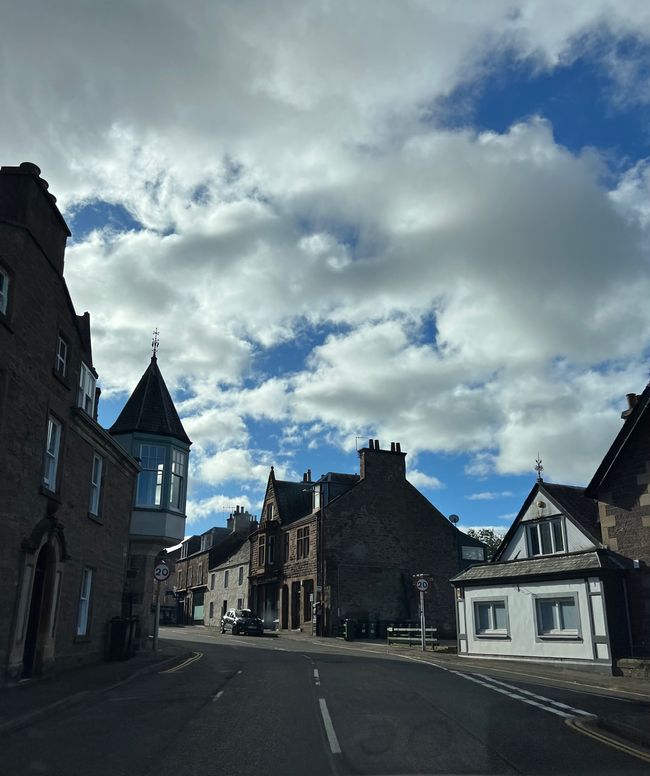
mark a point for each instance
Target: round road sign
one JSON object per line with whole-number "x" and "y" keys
{"x": 422, "y": 585}
{"x": 161, "y": 572}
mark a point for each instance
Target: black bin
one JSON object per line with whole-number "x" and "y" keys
{"x": 120, "y": 638}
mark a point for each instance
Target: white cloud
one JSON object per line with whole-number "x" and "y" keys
{"x": 488, "y": 495}
{"x": 215, "y": 507}
{"x": 421, "y": 480}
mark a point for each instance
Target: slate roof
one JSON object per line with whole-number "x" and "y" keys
{"x": 150, "y": 409}
{"x": 582, "y": 509}
{"x": 538, "y": 567}
{"x": 611, "y": 456}
{"x": 293, "y": 499}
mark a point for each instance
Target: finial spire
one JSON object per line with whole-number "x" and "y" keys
{"x": 155, "y": 342}
{"x": 539, "y": 468}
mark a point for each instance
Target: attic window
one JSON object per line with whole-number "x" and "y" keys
{"x": 87, "y": 382}
{"x": 545, "y": 538}
{"x": 269, "y": 511}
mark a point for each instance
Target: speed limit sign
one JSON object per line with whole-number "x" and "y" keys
{"x": 422, "y": 585}
{"x": 161, "y": 572}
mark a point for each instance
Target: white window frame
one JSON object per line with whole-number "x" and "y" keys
{"x": 558, "y": 631}
{"x": 158, "y": 480}
{"x": 96, "y": 474}
{"x": 4, "y": 290}
{"x": 177, "y": 480}
{"x": 52, "y": 452}
{"x": 302, "y": 543}
{"x": 87, "y": 385}
{"x": 537, "y": 530}
{"x": 492, "y": 631}
{"x": 83, "y": 611}
{"x": 61, "y": 361}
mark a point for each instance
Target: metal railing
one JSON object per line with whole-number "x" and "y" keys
{"x": 411, "y": 636}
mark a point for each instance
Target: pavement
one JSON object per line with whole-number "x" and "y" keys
{"x": 28, "y": 701}
{"x": 25, "y": 703}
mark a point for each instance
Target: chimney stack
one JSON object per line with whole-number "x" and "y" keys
{"x": 632, "y": 400}
{"x": 387, "y": 464}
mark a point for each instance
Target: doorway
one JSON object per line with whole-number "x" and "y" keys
{"x": 285, "y": 608}
{"x": 39, "y": 611}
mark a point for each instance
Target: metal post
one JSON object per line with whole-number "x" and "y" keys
{"x": 156, "y": 621}
{"x": 422, "y": 621}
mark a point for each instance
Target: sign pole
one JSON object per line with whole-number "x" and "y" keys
{"x": 422, "y": 620}
{"x": 156, "y": 621}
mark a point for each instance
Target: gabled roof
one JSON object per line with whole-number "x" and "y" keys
{"x": 632, "y": 421}
{"x": 150, "y": 409}
{"x": 571, "y": 563}
{"x": 294, "y": 500}
{"x": 570, "y": 500}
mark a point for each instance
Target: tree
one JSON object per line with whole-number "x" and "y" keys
{"x": 489, "y": 537}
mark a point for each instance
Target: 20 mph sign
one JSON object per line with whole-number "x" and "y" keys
{"x": 422, "y": 585}
{"x": 161, "y": 572}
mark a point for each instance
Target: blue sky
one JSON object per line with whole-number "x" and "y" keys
{"x": 419, "y": 224}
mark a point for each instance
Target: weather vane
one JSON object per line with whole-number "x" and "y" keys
{"x": 155, "y": 342}
{"x": 539, "y": 468}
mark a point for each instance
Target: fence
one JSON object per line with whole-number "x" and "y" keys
{"x": 411, "y": 636}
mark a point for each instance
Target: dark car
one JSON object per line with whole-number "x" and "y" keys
{"x": 241, "y": 621}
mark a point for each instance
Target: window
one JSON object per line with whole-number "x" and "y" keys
{"x": 178, "y": 478}
{"x": 86, "y": 398}
{"x": 241, "y": 575}
{"x": 84, "y": 602}
{"x": 302, "y": 544}
{"x": 316, "y": 499}
{"x": 557, "y": 617}
{"x": 271, "y": 551}
{"x": 286, "y": 548}
{"x": 52, "y": 448}
{"x": 190, "y": 576}
{"x": 472, "y": 553}
{"x": 4, "y": 291}
{"x": 545, "y": 538}
{"x": 150, "y": 479}
{"x": 211, "y": 609}
{"x": 211, "y": 583}
{"x": 206, "y": 541}
{"x": 261, "y": 550}
{"x": 225, "y": 578}
{"x": 240, "y": 603}
{"x": 269, "y": 511}
{"x": 61, "y": 362}
{"x": 95, "y": 484}
{"x": 490, "y": 618}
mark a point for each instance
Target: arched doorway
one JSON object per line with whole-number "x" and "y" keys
{"x": 41, "y": 610}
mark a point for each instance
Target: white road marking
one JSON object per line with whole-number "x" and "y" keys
{"x": 218, "y": 695}
{"x": 239, "y": 672}
{"x": 316, "y": 677}
{"x": 534, "y": 695}
{"x": 329, "y": 728}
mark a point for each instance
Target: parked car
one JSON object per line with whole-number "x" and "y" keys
{"x": 241, "y": 621}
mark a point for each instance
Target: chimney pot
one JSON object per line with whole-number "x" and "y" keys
{"x": 377, "y": 444}
{"x": 398, "y": 447}
{"x": 392, "y": 447}
{"x": 632, "y": 399}
{"x": 308, "y": 475}
{"x": 371, "y": 444}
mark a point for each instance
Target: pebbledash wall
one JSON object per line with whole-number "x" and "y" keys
{"x": 51, "y": 541}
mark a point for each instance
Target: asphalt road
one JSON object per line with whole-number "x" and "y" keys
{"x": 265, "y": 706}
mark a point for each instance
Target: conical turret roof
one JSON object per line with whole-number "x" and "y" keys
{"x": 150, "y": 409}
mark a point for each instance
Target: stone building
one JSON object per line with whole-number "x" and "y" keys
{"x": 348, "y": 545}
{"x": 228, "y": 575}
{"x": 149, "y": 429}
{"x": 621, "y": 485}
{"x": 66, "y": 486}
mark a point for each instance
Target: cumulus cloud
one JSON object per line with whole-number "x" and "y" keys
{"x": 488, "y": 495}
{"x": 290, "y": 184}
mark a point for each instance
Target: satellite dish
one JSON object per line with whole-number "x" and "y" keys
{"x": 454, "y": 519}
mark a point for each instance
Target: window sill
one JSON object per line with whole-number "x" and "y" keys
{"x": 559, "y": 637}
{"x": 61, "y": 378}
{"x": 96, "y": 518}
{"x": 499, "y": 636}
{"x": 85, "y": 639}
{"x": 51, "y": 494}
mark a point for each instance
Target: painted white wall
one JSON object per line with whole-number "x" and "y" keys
{"x": 575, "y": 540}
{"x": 523, "y": 642}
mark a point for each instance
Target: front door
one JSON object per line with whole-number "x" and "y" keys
{"x": 39, "y": 614}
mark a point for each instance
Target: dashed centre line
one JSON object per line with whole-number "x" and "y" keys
{"x": 329, "y": 728}
{"x": 217, "y": 696}
{"x": 316, "y": 677}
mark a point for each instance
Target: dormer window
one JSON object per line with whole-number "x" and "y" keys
{"x": 87, "y": 383}
{"x": 545, "y": 538}
{"x": 269, "y": 511}
{"x": 316, "y": 497}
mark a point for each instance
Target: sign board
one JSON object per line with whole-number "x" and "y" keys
{"x": 161, "y": 572}
{"x": 422, "y": 585}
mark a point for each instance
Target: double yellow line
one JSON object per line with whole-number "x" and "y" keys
{"x": 588, "y": 728}
{"x": 196, "y": 656}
